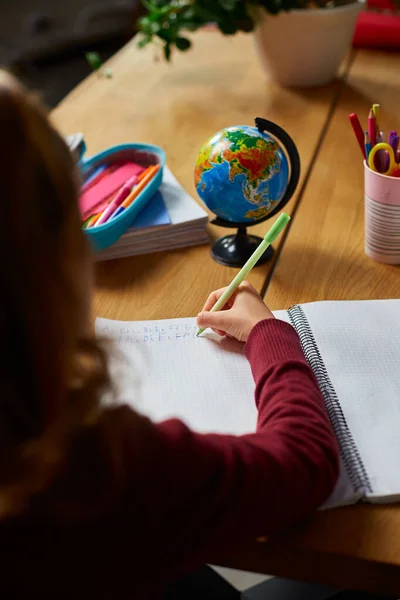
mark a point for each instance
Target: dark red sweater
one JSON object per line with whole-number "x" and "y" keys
{"x": 140, "y": 504}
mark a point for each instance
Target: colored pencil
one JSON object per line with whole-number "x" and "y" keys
{"x": 123, "y": 193}
{"x": 358, "y": 132}
{"x": 151, "y": 172}
{"x": 372, "y": 127}
{"x": 93, "y": 220}
{"x": 394, "y": 141}
{"x": 382, "y": 158}
{"x": 367, "y": 144}
{"x": 376, "y": 109}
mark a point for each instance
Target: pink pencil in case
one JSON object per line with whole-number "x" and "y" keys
{"x": 118, "y": 200}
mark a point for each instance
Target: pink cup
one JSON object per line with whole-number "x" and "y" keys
{"x": 382, "y": 217}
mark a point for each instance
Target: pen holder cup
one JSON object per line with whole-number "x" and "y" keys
{"x": 146, "y": 155}
{"x": 382, "y": 217}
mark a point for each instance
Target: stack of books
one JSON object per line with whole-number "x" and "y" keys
{"x": 171, "y": 220}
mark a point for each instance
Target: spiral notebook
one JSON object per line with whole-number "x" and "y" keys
{"x": 352, "y": 347}
{"x": 354, "y": 350}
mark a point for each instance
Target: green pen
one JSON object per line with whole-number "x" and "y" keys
{"x": 269, "y": 238}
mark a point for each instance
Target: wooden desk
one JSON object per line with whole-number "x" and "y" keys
{"x": 324, "y": 254}
{"x": 178, "y": 107}
{"x": 323, "y": 259}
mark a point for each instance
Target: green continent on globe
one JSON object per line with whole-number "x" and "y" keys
{"x": 255, "y": 157}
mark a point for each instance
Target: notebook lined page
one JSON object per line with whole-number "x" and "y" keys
{"x": 360, "y": 345}
{"x": 169, "y": 372}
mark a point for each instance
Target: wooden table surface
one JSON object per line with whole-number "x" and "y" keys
{"x": 323, "y": 259}
{"x": 178, "y": 107}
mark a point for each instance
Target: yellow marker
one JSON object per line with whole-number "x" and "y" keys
{"x": 376, "y": 109}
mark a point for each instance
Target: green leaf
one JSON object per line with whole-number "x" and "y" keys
{"x": 228, "y": 4}
{"x": 149, "y": 26}
{"x": 154, "y": 7}
{"x": 144, "y": 40}
{"x": 182, "y": 43}
{"x": 245, "y": 25}
{"x": 227, "y": 27}
{"x": 168, "y": 20}
{"x": 94, "y": 60}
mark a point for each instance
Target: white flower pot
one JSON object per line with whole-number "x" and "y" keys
{"x": 304, "y": 48}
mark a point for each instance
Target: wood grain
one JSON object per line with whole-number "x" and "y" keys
{"x": 323, "y": 259}
{"x": 178, "y": 106}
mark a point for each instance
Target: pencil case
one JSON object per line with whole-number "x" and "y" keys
{"x": 146, "y": 155}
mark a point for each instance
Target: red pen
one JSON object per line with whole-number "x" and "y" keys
{"x": 372, "y": 127}
{"x": 358, "y": 131}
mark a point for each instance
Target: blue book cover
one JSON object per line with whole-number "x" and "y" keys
{"x": 154, "y": 213}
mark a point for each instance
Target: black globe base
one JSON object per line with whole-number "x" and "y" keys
{"x": 235, "y": 250}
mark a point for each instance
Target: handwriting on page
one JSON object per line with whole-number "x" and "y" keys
{"x": 170, "y": 373}
{"x": 155, "y": 333}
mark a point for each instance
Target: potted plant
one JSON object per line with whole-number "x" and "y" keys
{"x": 300, "y": 42}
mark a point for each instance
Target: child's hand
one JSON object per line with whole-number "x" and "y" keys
{"x": 242, "y": 312}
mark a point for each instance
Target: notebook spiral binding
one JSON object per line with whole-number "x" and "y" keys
{"x": 349, "y": 452}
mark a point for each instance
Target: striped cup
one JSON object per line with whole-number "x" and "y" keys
{"x": 382, "y": 217}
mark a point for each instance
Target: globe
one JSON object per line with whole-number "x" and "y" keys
{"x": 241, "y": 174}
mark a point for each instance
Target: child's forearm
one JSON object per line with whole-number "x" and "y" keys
{"x": 290, "y": 404}
{"x": 187, "y": 497}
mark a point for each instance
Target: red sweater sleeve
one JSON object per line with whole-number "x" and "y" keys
{"x": 199, "y": 493}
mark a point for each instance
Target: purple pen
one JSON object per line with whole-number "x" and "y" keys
{"x": 394, "y": 142}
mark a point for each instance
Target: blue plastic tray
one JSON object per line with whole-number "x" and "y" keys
{"x": 145, "y": 154}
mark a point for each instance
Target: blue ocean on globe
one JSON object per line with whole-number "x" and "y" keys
{"x": 241, "y": 174}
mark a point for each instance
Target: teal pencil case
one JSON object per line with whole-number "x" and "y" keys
{"x": 145, "y": 155}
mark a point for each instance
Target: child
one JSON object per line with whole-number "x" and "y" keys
{"x": 98, "y": 501}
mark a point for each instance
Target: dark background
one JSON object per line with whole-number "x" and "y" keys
{"x": 44, "y": 41}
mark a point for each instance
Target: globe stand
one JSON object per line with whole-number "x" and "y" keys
{"x": 235, "y": 250}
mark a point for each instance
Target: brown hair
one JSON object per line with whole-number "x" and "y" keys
{"x": 51, "y": 377}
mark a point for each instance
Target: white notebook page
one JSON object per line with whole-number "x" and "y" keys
{"x": 169, "y": 372}
{"x": 207, "y": 381}
{"x": 360, "y": 345}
